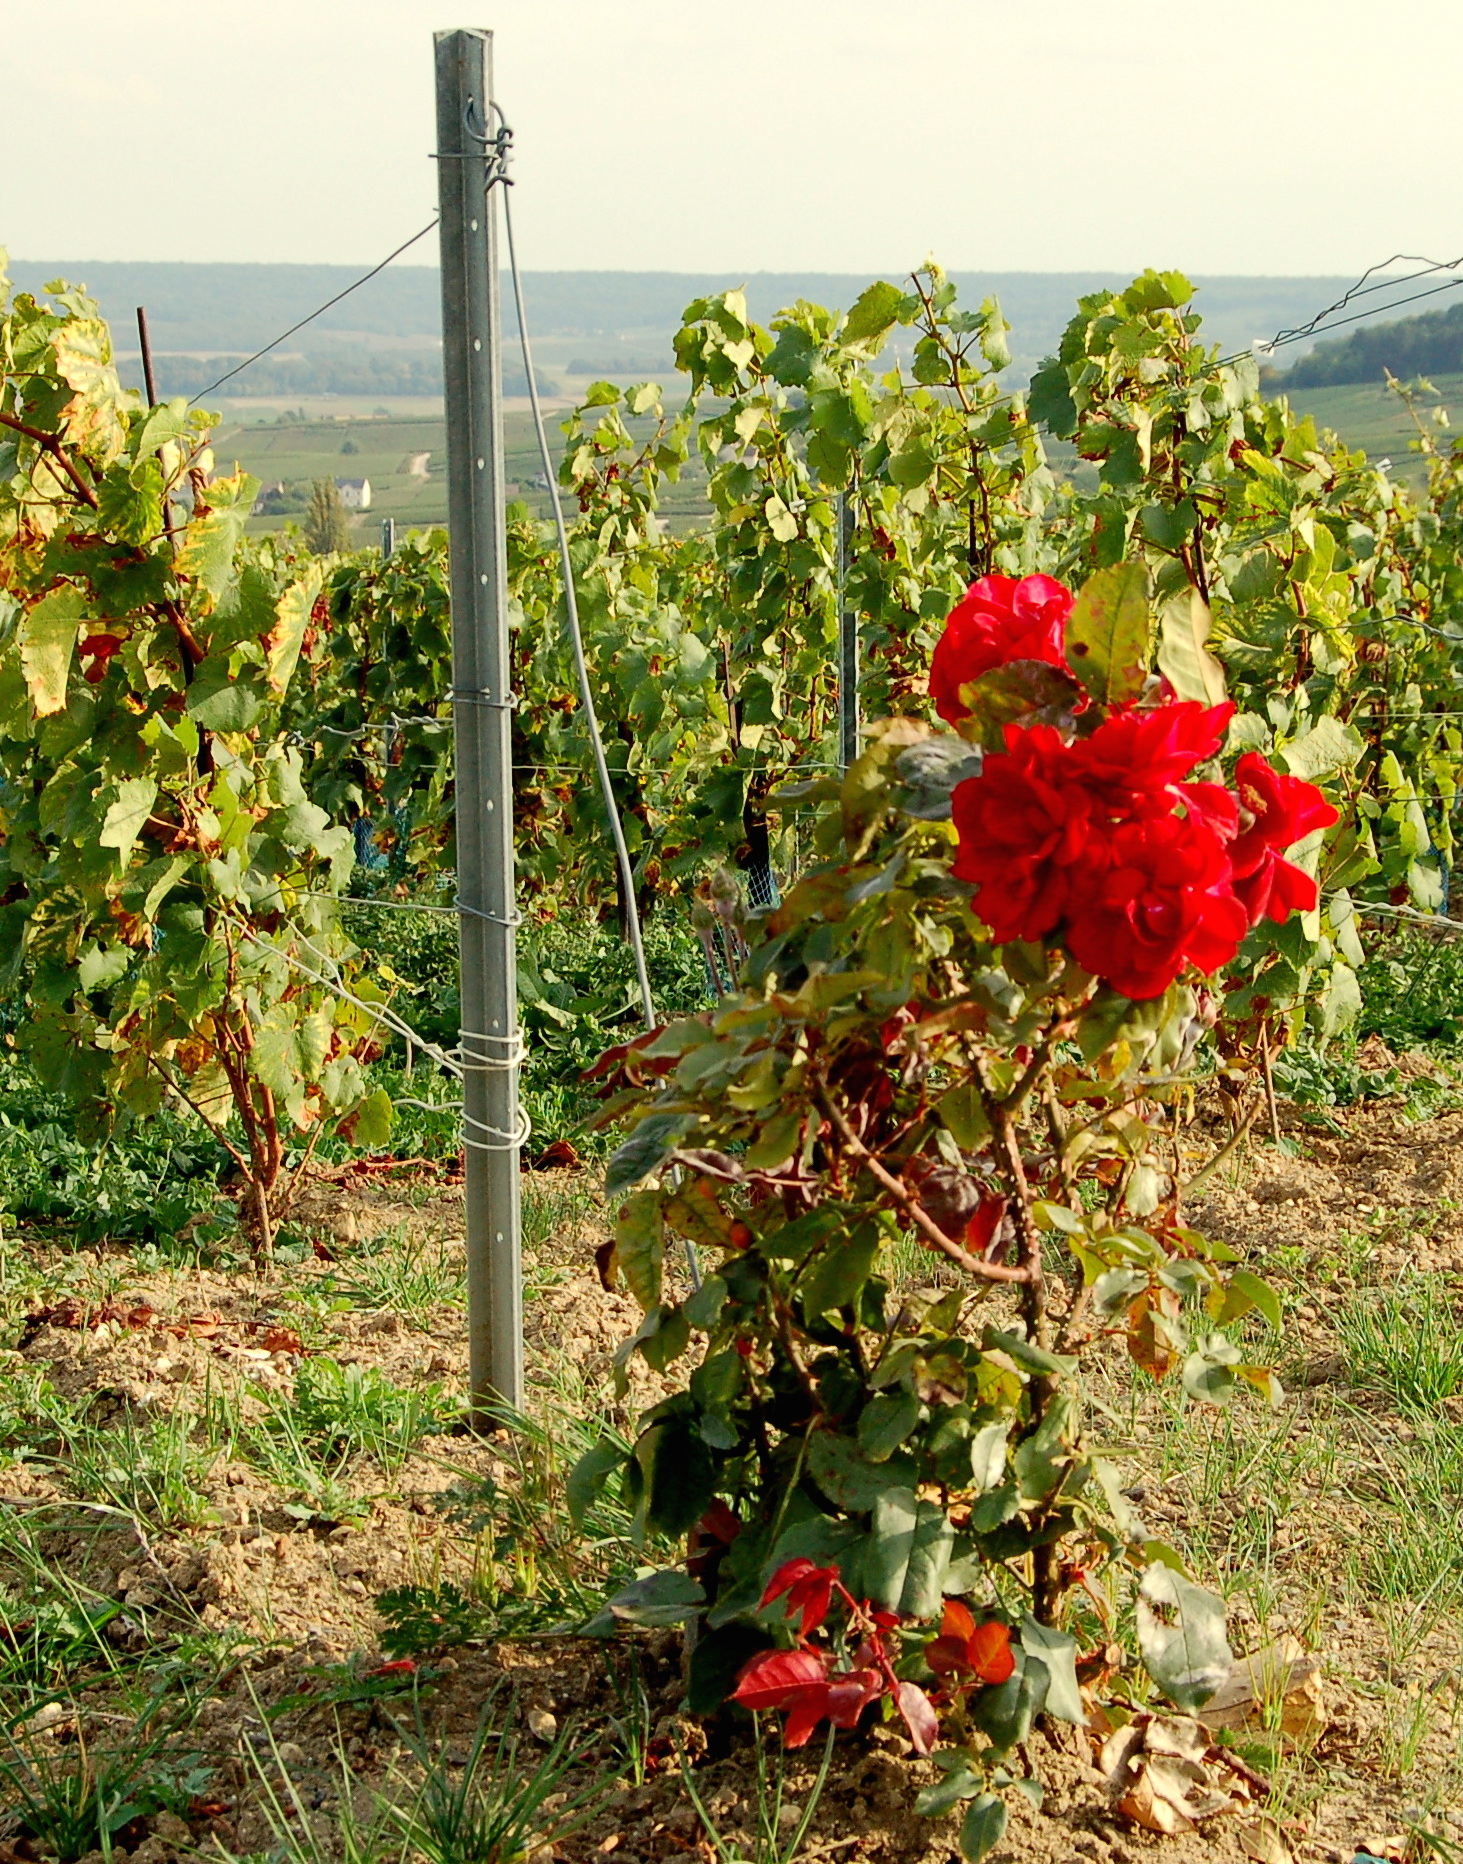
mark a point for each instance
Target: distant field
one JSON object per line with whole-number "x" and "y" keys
{"x": 298, "y": 452}
{"x": 1367, "y": 415}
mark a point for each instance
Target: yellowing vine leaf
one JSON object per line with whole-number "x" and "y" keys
{"x": 47, "y": 641}
{"x": 1110, "y": 632}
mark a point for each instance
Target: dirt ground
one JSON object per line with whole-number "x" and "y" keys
{"x": 289, "y": 1592}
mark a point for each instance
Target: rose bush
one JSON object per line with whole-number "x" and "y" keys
{"x": 968, "y": 1031}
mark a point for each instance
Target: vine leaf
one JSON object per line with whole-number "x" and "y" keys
{"x": 1184, "y": 658}
{"x": 1110, "y": 634}
{"x": 47, "y": 641}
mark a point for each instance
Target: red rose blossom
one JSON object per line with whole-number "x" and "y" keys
{"x": 1163, "y": 901}
{"x": 996, "y": 621}
{"x": 1276, "y": 811}
{"x": 1134, "y": 760}
{"x": 1026, "y": 833}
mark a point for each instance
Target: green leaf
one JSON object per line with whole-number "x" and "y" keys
{"x": 640, "y": 1246}
{"x": 960, "y": 1783}
{"x": 983, "y": 1827}
{"x": 1184, "y": 658}
{"x": 1257, "y": 1293}
{"x": 124, "y": 819}
{"x": 1327, "y": 747}
{"x": 666, "y": 1598}
{"x": 848, "y": 1477}
{"x": 645, "y": 1150}
{"x": 1209, "y": 1370}
{"x": 835, "y": 1276}
{"x": 908, "y": 1553}
{"x": 99, "y": 966}
{"x": 884, "y": 1423}
{"x": 1182, "y": 1637}
{"x": 219, "y": 701}
{"x": 1057, "y": 1653}
{"x": 1110, "y": 633}
{"x": 588, "y": 1477}
{"x": 873, "y": 314}
{"x": 372, "y": 1119}
{"x": 47, "y": 638}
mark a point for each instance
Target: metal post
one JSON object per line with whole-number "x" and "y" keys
{"x": 388, "y": 537}
{"x": 848, "y": 667}
{"x": 480, "y": 672}
{"x": 144, "y": 340}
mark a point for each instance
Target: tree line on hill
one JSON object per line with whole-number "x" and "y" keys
{"x": 1431, "y": 344}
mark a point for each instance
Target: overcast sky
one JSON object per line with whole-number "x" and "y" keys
{"x": 1289, "y": 136}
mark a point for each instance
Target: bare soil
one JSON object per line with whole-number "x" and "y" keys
{"x": 1355, "y": 1207}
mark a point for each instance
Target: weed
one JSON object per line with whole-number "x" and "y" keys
{"x": 351, "y": 1840}
{"x": 769, "y": 1840}
{"x": 495, "y": 1806}
{"x": 402, "y": 1274}
{"x": 350, "y": 1409}
{"x": 76, "y": 1799}
{"x": 151, "y": 1468}
{"x": 1404, "y": 1340}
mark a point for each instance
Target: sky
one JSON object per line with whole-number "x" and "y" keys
{"x": 1248, "y": 136}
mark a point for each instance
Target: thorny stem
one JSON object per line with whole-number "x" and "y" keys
{"x": 909, "y": 1204}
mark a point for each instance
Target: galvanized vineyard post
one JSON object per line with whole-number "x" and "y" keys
{"x": 488, "y": 1043}
{"x": 848, "y": 655}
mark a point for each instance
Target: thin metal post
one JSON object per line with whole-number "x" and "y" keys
{"x": 848, "y": 656}
{"x": 144, "y": 340}
{"x": 388, "y": 537}
{"x": 480, "y": 670}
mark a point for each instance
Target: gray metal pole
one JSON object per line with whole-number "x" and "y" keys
{"x": 480, "y": 672}
{"x": 848, "y": 657}
{"x": 388, "y": 537}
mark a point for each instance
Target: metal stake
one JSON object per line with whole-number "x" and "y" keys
{"x": 488, "y": 1043}
{"x": 388, "y": 537}
{"x": 848, "y": 656}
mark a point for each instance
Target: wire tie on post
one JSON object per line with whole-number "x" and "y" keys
{"x": 481, "y": 696}
{"x": 478, "y": 912}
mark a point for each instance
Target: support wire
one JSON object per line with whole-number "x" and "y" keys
{"x": 612, "y": 808}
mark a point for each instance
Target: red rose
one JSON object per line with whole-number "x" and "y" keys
{"x": 1134, "y": 760}
{"x": 1026, "y": 834}
{"x": 1164, "y": 901}
{"x": 998, "y": 620}
{"x": 1275, "y": 812}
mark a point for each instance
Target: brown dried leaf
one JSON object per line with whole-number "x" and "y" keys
{"x": 1277, "y": 1686}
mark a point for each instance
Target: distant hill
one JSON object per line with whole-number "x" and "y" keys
{"x": 1431, "y": 344}
{"x": 620, "y": 322}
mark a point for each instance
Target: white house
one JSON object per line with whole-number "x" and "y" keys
{"x": 355, "y": 494}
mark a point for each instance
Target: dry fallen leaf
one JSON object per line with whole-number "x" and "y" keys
{"x": 1261, "y": 1840}
{"x": 1278, "y": 1687}
{"x": 1158, "y": 1773}
{"x": 541, "y": 1724}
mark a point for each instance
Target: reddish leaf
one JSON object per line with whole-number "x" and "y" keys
{"x": 957, "y": 1621}
{"x": 850, "y": 1693}
{"x": 776, "y": 1679}
{"x": 984, "y": 1227}
{"x": 989, "y": 1652}
{"x": 803, "y": 1717}
{"x": 919, "y": 1717}
{"x": 809, "y": 1590}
